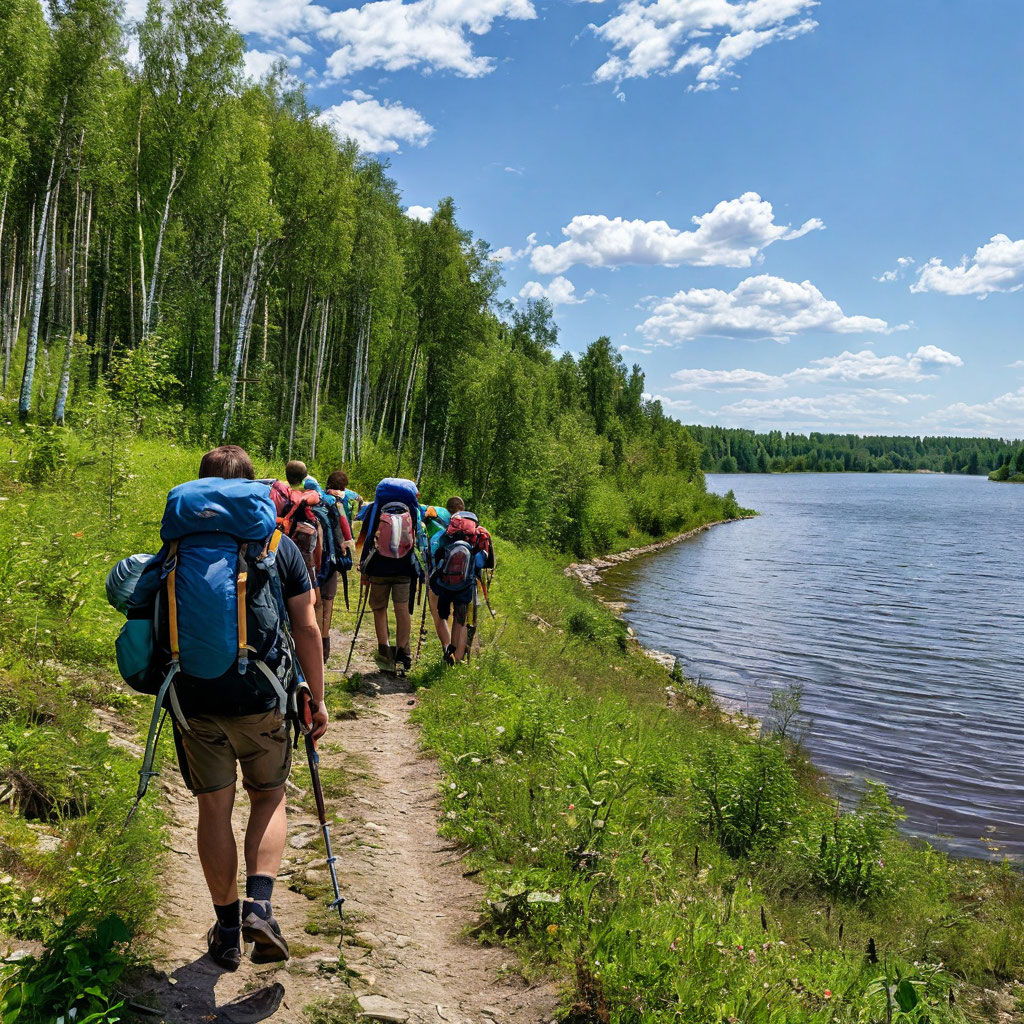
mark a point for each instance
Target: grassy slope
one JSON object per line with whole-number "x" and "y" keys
{"x": 568, "y": 777}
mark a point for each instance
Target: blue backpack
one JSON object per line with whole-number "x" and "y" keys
{"x": 212, "y": 598}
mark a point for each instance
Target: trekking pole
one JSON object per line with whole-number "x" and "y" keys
{"x": 363, "y": 601}
{"x": 471, "y": 628}
{"x": 487, "y": 597}
{"x": 304, "y": 702}
{"x": 156, "y": 725}
{"x": 344, "y": 587}
{"x": 423, "y": 622}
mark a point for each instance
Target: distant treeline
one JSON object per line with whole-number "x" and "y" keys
{"x": 744, "y": 451}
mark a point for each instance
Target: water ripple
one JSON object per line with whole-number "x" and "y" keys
{"x": 896, "y": 602}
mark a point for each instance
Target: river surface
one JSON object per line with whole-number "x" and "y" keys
{"x": 897, "y": 601}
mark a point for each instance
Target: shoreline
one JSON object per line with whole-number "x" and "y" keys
{"x": 589, "y": 573}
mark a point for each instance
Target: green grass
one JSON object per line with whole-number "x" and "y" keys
{"x": 677, "y": 868}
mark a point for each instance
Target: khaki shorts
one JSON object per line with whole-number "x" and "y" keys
{"x": 259, "y": 743}
{"x": 329, "y": 587}
{"x": 383, "y": 588}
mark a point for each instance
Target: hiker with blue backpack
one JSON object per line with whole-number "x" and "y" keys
{"x": 459, "y": 557}
{"x": 392, "y": 538}
{"x": 221, "y": 629}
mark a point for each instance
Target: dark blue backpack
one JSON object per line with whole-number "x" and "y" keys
{"x": 213, "y": 596}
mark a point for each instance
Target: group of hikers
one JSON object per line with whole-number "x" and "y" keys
{"x": 229, "y": 628}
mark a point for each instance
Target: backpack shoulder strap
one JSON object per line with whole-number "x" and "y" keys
{"x": 241, "y": 586}
{"x": 172, "y": 603}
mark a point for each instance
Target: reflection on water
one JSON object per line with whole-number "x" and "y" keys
{"x": 897, "y": 601}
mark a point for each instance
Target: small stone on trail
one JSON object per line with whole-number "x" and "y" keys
{"x": 367, "y": 939}
{"x": 300, "y": 842}
{"x": 379, "y": 1008}
{"x": 402, "y": 941}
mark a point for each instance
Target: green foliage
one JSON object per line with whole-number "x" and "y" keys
{"x": 846, "y": 852}
{"x": 72, "y": 981}
{"x": 746, "y": 796}
{"x": 728, "y": 450}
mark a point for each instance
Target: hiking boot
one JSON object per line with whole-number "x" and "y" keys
{"x": 403, "y": 660}
{"x": 224, "y": 947}
{"x": 260, "y": 928}
{"x": 385, "y": 657}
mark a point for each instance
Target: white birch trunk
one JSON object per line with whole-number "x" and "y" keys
{"x": 39, "y": 273}
{"x": 217, "y": 301}
{"x": 150, "y": 320}
{"x": 318, "y": 377}
{"x": 295, "y": 372}
{"x": 60, "y": 404}
{"x": 241, "y": 333}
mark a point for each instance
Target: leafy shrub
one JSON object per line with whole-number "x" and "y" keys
{"x": 846, "y": 854}
{"x": 72, "y": 981}
{"x": 746, "y": 795}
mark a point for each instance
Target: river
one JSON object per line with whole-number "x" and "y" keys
{"x": 897, "y": 602}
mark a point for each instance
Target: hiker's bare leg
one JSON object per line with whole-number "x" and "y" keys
{"x": 216, "y": 843}
{"x": 459, "y": 639}
{"x": 319, "y": 611}
{"x": 403, "y": 625}
{"x": 380, "y": 625}
{"x": 266, "y": 831}
{"x": 440, "y": 625}
{"x": 327, "y": 616}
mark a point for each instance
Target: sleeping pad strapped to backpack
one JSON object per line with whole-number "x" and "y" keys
{"x": 211, "y": 601}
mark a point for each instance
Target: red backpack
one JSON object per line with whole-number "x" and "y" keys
{"x": 395, "y": 535}
{"x": 295, "y": 519}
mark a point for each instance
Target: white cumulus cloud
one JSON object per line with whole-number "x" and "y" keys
{"x": 559, "y": 292}
{"x": 847, "y": 367}
{"x": 377, "y": 127}
{"x": 997, "y": 266}
{"x": 902, "y": 263}
{"x": 423, "y": 213}
{"x": 706, "y": 38}
{"x": 506, "y": 254}
{"x": 758, "y": 308}
{"x": 431, "y": 34}
{"x": 733, "y": 234}
{"x": 1003, "y": 416}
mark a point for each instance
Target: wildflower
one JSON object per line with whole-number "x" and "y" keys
{"x": 572, "y": 807}
{"x": 500, "y": 730}
{"x": 37, "y": 899}
{"x": 827, "y": 993}
{"x": 552, "y": 929}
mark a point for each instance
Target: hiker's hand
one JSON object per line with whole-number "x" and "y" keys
{"x": 319, "y": 720}
{"x": 350, "y": 547}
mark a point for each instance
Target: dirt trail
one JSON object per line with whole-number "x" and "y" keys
{"x": 404, "y": 956}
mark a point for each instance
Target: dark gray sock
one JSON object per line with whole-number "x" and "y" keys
{"x": 229, "y": 916}
{"x": 259, "y": 887}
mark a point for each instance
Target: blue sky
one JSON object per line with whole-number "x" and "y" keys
{"x": 856, "y": 168}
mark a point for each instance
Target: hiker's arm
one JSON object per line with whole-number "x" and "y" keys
{"x": 309, "y": 648}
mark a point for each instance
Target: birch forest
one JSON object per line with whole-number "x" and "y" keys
{"x": 199, "y": 251}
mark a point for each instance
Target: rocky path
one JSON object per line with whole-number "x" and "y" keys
{"x": 403, "y": 956}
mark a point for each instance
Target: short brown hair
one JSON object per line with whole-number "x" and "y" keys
{"x": 296, "y": 473}
{"x": 337, "y": 481}
{"x": 229, "y": 462}
{"x": 455, "y": 504}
